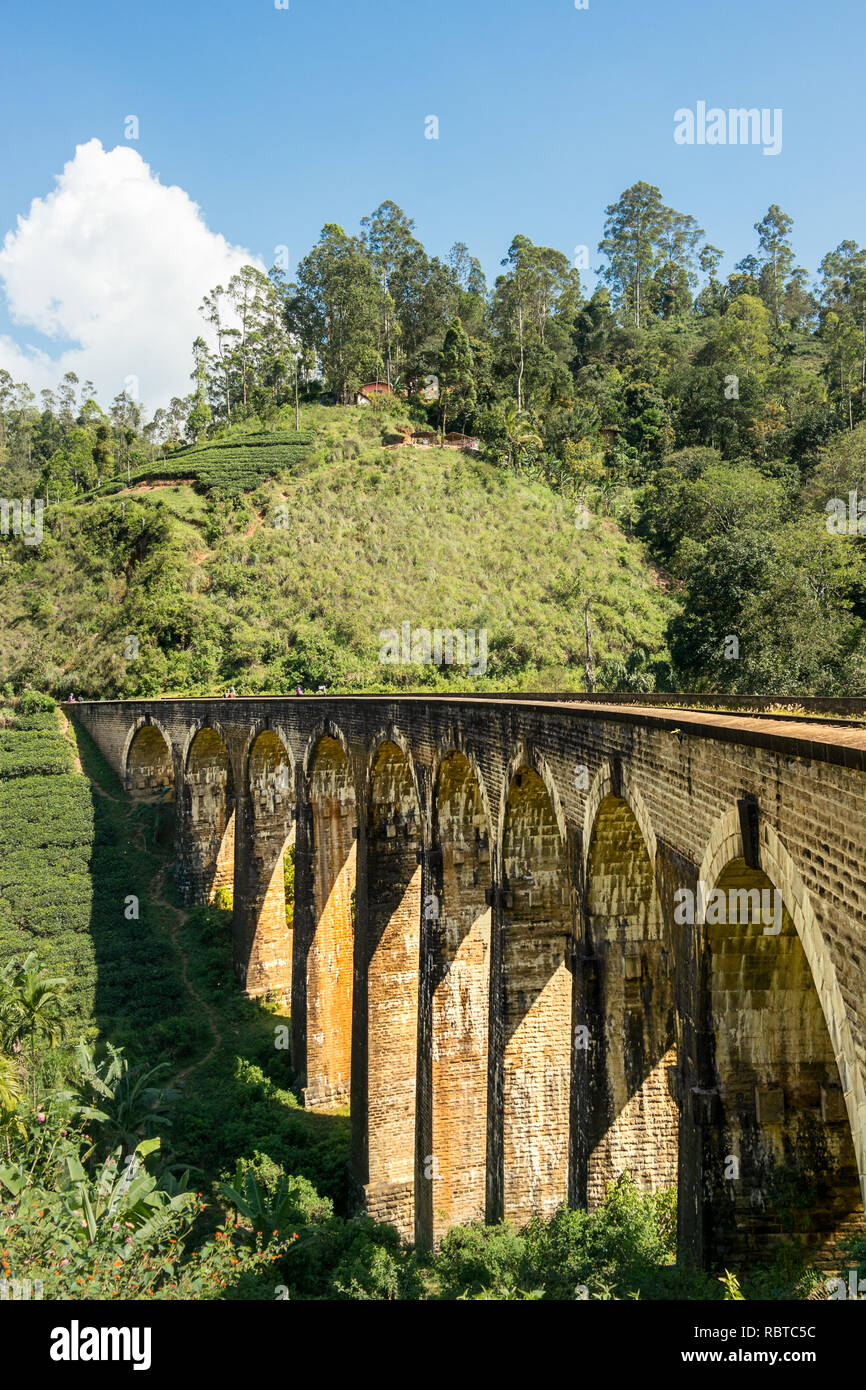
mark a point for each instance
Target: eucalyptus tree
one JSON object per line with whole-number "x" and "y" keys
{"x": 335, "y": 308}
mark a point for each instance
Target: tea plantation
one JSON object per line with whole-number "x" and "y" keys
{"x": 234, "y": 465}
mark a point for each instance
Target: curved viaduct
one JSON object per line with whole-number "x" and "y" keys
{"x": 538, "y": 943}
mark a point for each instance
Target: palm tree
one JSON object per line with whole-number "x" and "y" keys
{"x": 519, "y": 433}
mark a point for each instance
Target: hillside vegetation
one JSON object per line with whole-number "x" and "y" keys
{"x": 281, "y": 564}
{"x": 721, "y": 422}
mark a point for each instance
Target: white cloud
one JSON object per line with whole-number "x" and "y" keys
{"x": 117, "y": 264}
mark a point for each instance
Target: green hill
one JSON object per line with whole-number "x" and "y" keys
{"x": 273, "y": 559}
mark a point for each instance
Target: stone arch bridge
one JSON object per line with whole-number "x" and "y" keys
{"x": 536, "y": 943}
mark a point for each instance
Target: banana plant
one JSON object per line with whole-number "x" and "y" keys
{"x": 122, "y": 1099}
{"x": 264, "y": 1214}
{"x": 122, "y": 1193}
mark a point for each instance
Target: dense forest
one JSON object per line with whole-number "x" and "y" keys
{"x": 715, "y": 419}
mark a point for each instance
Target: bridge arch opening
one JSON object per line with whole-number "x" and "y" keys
{"x": 264, "y": 916}
{"x": 208, "y": 828}
{"x": 630, "y": 1012}
{"x": 783, "y": 1168}
{"x": 394, "y": 938}
{"x": 457, "y": 918}
{"x": 149, "y": 770}
{"x": 330, "y": 958}
{"x": 536, "y": 936}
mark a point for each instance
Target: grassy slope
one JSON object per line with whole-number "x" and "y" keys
{"x": 72, "y": 849}
{"x": 374, "y": 537}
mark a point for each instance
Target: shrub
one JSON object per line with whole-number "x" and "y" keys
{"x": 35, "y": 702}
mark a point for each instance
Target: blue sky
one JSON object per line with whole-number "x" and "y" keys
{"x": 276, "y": 121}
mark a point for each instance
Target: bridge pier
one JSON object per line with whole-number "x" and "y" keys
{"x": 393, "y": 945}
{"x": 454, "y": 1008}
{"x": 326, "y": 945}
{"x": 265, "y": 818}
{"x": 206, "y": 820}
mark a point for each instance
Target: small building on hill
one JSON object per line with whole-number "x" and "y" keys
{"x": 462, "y": 441}
{"x": 373, "y": 388}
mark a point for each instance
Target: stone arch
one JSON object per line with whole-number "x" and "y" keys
{"x": 522, "y": 759}
{"x": 455, "y": 746}
{"x": 394, "y": 842}
{"x": 207, "y": 831}
{"x": 193, "y": 729}
{"x": 331, "y": 847}
{"x": 791, "y": 1106}
{"x": 457, "y": 925}
{"x": 391, "y": 735}
{"x": 147, "y": 763}
{"x": 602, "y": 786}
{"x": 629, "y": 1053}
{"x": 535, "y": 931}
{"x": 326, "y": 729}
{"x": 262, "y": 927}
{"x": 257, "y": 728}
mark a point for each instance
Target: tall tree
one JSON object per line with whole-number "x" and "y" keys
{"x": 843, "y": 326}
{"x": 387, "y": 235}
{"x": 336, "y": 308}
{"x": 457, "y": 394}
{"x": 534, "y": 308}
{"x": 774, "y": 232}
{"x": 214, "y": 310}
{"x": 679, "y": 257}
{"x": 632, "y": 231}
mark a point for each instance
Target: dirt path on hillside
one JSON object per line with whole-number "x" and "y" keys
{"x": 179, "y": 917}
